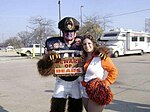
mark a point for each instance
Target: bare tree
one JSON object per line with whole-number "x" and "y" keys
{"x": 91, "y": 25}
{"x": 26, "y": 38}
{"x": 13, "y": 41}
{"x": 94, "y": 25}
{"x": 105, "y": 21}
{"x": 41, "y": 29}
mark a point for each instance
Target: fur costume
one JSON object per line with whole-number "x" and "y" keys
{"x": 58, "y": 101}
{"x": 104, "y": 52}
{"x": 46, "y": 64}
{"x": 46, "y": 67}
{"x": 73, "y": 103}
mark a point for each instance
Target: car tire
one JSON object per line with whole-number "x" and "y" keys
{"x": 28, "y": 53}
{"x": 116, "y": 54}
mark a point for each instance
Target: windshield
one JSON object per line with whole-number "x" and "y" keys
{"x": 110, "y": 34}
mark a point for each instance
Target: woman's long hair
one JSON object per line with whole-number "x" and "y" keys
{"x": 97, "y": 48}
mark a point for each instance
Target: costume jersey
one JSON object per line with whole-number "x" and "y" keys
{"x": 95, "y": 68}
{"x": 58, "y": 44}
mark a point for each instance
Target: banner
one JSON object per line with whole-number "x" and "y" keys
{"x": 69, "y": 66}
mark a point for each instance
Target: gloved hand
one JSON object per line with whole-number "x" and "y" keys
{"x": 104, "y": 52}
{"x": 45, "y": 65}
{"x": 54, "y": 57}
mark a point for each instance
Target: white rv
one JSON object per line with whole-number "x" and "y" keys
{"x": 122, "y": 42}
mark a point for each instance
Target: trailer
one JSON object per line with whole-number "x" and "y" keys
{"x": 123, "y": 42}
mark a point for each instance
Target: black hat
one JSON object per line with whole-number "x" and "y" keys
{"x": 68, "y": 24}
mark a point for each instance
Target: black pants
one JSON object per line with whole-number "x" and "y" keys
{"x": 59, "y": 105}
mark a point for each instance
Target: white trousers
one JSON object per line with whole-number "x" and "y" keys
{"x": 65, "y": 89}
{"x": 84, "y": 94}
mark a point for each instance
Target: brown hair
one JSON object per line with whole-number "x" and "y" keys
{"x": 97, "y": 48}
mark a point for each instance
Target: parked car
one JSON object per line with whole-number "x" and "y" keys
{"x": 28, "y": 51}
{"x": 9, "y": 48}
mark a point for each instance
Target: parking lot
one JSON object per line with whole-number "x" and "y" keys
{"x": 22, "y": 89}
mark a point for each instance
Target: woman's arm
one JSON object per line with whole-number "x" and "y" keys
{"x": 109, "y": 66}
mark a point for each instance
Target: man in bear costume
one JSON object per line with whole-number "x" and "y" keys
{"x": 66, "y": 87}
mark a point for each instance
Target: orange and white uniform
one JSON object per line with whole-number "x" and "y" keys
{"x": 95, "y": 68}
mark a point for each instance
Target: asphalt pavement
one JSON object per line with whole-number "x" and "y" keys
{"x": 22, "y": 89}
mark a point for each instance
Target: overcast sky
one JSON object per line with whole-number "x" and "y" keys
{"x": 127, "y": 14}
